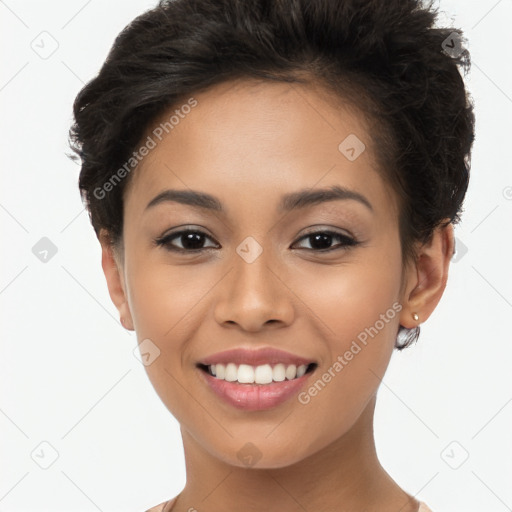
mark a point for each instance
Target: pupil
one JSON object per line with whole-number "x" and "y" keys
{"x": 192, "y": 240}
{"x": 326, "y": 239}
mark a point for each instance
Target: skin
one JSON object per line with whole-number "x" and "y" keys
{"x": 247, "y": 143}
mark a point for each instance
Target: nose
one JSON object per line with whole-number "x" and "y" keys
{"x": 254, "y": 297}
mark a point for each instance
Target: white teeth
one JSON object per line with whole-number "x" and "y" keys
{"x": 291, "y": 372}
{"x": 220, "y": 370}
{"x": 231, "y": 372}
{"x": 263, "y": 374}
{"x": 279, "y": 372}
{"x": 245, "y": 374}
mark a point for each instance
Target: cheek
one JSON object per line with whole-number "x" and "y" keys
{"x": 351, "y": 298}
{"x": 165, "y": 302}
{"x": 163, "y": 297}
{"x": 356, "y": 310}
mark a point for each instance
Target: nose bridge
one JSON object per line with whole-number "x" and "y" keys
{"x": 254, "y": 294}
{"x": 252, "y": 270}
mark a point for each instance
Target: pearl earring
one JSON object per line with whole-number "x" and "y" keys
{"x": 406, "y": 337}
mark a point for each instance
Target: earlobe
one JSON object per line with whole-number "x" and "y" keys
{"x": 428, "y": 278}
{"x": 115, "y": 280}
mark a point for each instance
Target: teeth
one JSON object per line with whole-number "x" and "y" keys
{"x": 263, "y": 374}
{"x": 291, "y": 372}
{"x": 301, "y": 370}
{"x": 245, "y": 374}
{"x": 279, "y": 373}
{"x": 220, "y": 370}
{"x": 231, "y": 373}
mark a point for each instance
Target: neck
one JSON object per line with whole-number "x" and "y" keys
{"x": 345, "y": 475}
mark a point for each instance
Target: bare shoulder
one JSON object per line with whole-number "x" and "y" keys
{"x": 166, "y": 506}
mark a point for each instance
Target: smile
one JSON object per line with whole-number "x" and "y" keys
{"x": 262, "y": 374}
{"x": 255, "y": 379}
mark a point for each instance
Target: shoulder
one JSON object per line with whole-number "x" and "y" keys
{"x": 162, "y": 507}
{"x": 423, "y": 508}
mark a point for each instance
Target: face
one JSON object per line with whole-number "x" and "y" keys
{"x": 266, "y": 262}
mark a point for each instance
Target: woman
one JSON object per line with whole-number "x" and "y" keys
{"x": 274, "y": 185}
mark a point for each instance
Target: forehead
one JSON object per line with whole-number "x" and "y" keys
{"x": 247, "y": 138}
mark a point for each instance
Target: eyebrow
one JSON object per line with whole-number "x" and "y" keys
{"x": 292, "y": 201}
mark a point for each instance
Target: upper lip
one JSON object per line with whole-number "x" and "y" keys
{"x": 255, "y": 357}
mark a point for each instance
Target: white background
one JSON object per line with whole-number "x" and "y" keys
{"x": 68, "y": 374}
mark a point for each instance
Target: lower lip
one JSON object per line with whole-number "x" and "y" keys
{"x": 255, "y": 397}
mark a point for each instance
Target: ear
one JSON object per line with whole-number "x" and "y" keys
{"x": 426, "y": 279}
{"x": 113, "y": 270}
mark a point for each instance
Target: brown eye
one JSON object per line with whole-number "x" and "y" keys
{"x": 320, "y": 241}
{"x": 190, "y": 240}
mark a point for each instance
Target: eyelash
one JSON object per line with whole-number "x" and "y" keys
{"x": 165, "y": 240}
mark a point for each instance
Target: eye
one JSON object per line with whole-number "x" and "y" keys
{"x": 320, "y": 241}
{"x": 192, "y": 240}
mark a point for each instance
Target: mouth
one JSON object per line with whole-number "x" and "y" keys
{"x": 257, "y": 375}
{"x": 255, "y": 380}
